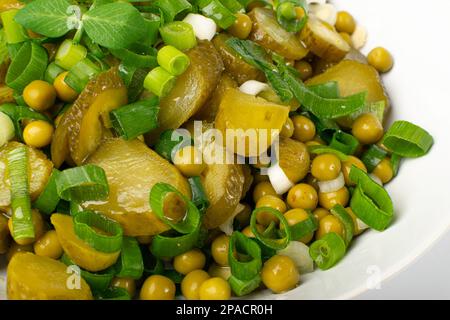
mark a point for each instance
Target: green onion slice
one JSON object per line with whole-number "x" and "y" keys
{"x": 29, "y": 64}
{"x": 136, "y": 60}
{"x": 408, "y": 140}
{"x": 179, "y": 34}
{"x": 69, "y": 54}
{"x": 164, "y": 246}
{"x": 111, "y": 238}
{"x": 173, "y": 8}
{"x": 244, "y": 257}
{"x": 134, "y": 80}
{"x": 370, "y": 201}
{"x": 130, "y": 263}
{"x": 328, "y": 251}
{"x": 344, "y": 142}
{"x": 98, "y": 281}
{"x": 173, "y": 60}
{"x": 113, "y": 293}
{"x": 52, "y": 72}
{"x": 243, "y": 288}
{"x": 22, "y": 221}
{"x": 168, "y": 143}
{"x": 373, "y": 156}
{"x": 347, "y": 222}
{"x": 285, "y": 232}
{"x": 327, "y": 149}
{"x": 135, "y": 119}
{"x": 84, "y": 183}
{"x": 174, "y": 209}
{"x": 395, "y": 163}
{"x": 49, "y": 198}
{"x": 81, "y": 73}
{"x": 199, "y": 197}
{"x": 215, "y": 10}
{"x": 14, "y": 32}
{"x": 304, "y": 228}
{"x": 159, "y": 81}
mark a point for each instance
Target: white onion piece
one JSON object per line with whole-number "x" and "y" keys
{"x": 325, "y": 12}
{"x": 7, "y": 131}
{"x": 227, "y": 226}
{"x": 280, "y": 182}
{"x": 376, "y": 179}
{"x": 361, "y": 225}
{"x": 299, "y": 253}
{"x": 204, "y": 28}
{"x": 332, "y": 185}
{"x": 253, "y": 87}
{"x": 359, "y": 37}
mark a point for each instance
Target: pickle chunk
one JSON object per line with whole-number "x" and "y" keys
{"x": 249, "y": 124}
{"x": 132, "y": 170}
{"x": 32, "y": 277}
{"x": 79, "y": 251}
{"x": 268, "y": 33}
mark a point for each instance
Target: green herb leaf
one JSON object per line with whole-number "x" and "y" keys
{"x": 115, "y": 25}
{"x": 51, "y": 18}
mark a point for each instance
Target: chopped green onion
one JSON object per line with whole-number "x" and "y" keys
{"x": 173, "y": 60}
{"x": 167, "y": 144}
{"x": 19, "y": 113}
{"x": 346, "y": 220}
{"x": 199, "y": 197}
{"x": 81, "y": 73}
{"x": 153, "y": 23}
{"x": 370, "y": 201}
{"x": 22, "y": 222}
{"x": 326, "y": 149}
{"x": 29, "y": 64}
{"x": 273, "y": 243}
{"x": 14, "y": 32}
{"x": 96, "y": 281}
{"x": 215, "y": 10}
{"x": 287, "y": 15}
{"x": 344, "y": 142}
{"x": 328, "y": 90}
{"x": 85, "y": 225}
{"x": 53, "y": 71}
{"x": 82, "y": 184}
{"x": 233, "y": 5}
{"x": 408, "y": 140}
{"x": 133, "y": 59}
{"x": 328, "y": 251}
{"x": 373, "y": 156}
{"x": 135, "y": 119}
{"x": 164, "y": 246}
{"x": 173, "y": 8}
{"x": 376, "y": 108}
{"x": 179, "y": 34}
{"x": 113, "y": 293}
{"x": 243, "y": 288}
{"x": 159, "y": 81}
{"x": 325, "y": 128}
{"x": 49, "y": 198}
{"x": 304, "y": 228}
{"x": 130, "y": 263}
{"x": 134, "y": 80}
{"x": 162, "y": 204}
{"x": 395, "y": 163}
{"x": 244, "y": 257}
{"x": 93, "y": 47}
{"x": 69, "y": 54}
{"x": 7, "y": 131}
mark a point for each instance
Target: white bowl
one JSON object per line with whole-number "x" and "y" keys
{"x": 414, "y": 31}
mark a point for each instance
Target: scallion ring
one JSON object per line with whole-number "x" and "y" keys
{"x": 243, "y": 288}
{"x": 85, "y": 225}
{"x": 304, "y": 228}
{"x": 326, "y": 149}
{"x": 244, "y": 257}
{"x": 346, "y": 220}
{"x": 273, "y": 243}
{"x": 130, "y": 263}
{"x": 174, "y": 209}
{"x": 164, "y": 246}
{"x": 328, "y": 251}
{"x": 49, "y": 198}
